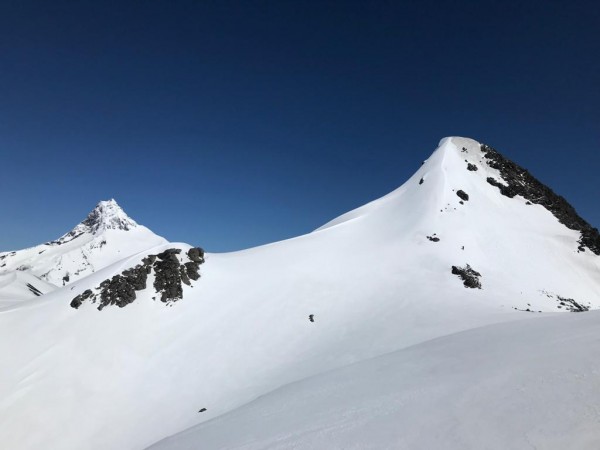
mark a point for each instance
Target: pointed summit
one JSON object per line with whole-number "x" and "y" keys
{"x": 108, "y": 215}
{"x": 462, "y": 168}
{"x": 105, "y": 236}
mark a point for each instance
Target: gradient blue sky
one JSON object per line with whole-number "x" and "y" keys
{"x": 232, "y": 124}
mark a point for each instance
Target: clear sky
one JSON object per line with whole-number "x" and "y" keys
{"x": 233, "y": 124}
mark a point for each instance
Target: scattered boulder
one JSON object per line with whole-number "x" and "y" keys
{"x": 196, "y": 254}
{"x": 421, "y": 180}
{"x": 469, "y": 276}
{"x": 433, "y": 238}
{"x": 472, "y": 167}
{"x": 77, "y": 301}
{"x": 463, "y": 195}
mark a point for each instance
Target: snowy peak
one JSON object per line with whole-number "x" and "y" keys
{"x": 105, "y": 236}
{"x": 462, "y": 168}
{"x": 107, "y": 215}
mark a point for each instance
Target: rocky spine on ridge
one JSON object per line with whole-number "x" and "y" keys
{"x": 170, "y": 271}
{"x": 520, "y": 182}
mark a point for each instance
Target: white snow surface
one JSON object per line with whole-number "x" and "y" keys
{"x": 16, "y": 286}
{"x": 528, "y": 384}
{"x": 127, "y": 378}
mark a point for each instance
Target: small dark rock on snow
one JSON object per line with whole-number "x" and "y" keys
{"x": 520, "y": 182}
{"x": 469, "y": 276}
{"x": 463, "y": 195}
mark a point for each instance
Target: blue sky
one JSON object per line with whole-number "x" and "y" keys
{"x": 233, "y": 124}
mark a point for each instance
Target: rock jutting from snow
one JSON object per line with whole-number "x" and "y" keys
{"x": 520, "y": 182}
{"x": 469, "y": 276}
{"x": 463, "y": 195}
{"x": 170, "y": 271}
{"x": 572, "y": 305}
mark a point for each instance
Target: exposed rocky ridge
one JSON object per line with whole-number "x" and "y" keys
{"x": 572, "y": 305}
{"x": 520, "y": 182}
{"x": 170, "y": 270}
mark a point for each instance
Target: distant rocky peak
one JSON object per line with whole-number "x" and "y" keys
{"x": 107, "y": 215}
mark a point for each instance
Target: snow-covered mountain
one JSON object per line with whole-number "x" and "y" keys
{"x": 105, "y": 236}
{"x": 169, "y": 337}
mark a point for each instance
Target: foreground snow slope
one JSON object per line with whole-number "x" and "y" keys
{"x": 527, "y": 384}
{"x": 373, "y": 281}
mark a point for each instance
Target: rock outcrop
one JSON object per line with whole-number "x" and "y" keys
{"x": 170, "y": 270}
{"x": 518, "y": 181}
{"x": 469, "y": 276}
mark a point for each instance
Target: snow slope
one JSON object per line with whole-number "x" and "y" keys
{"x": 16, "y": 286}
{"x": 104, "y": 237}
{"x": 372, "y": 280}
{"x": 511, "y": 386}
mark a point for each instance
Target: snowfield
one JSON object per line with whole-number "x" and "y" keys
{"x": 527, "y": 384}
{"x": 352, "y": 336}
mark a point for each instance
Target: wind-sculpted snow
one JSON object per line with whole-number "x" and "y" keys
{"x": 520, "y": 182}
{"x": 169, "y": 270}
